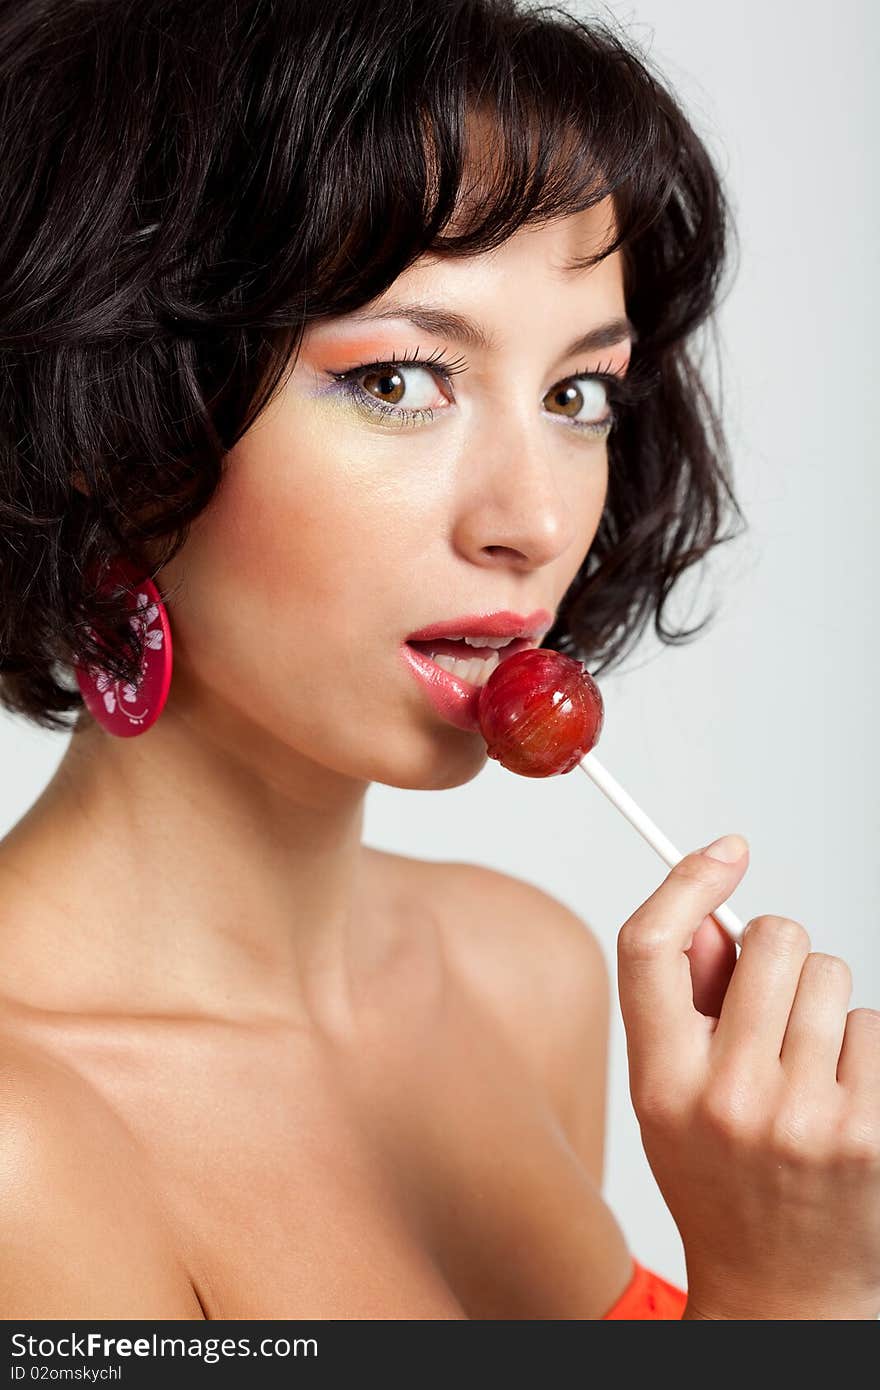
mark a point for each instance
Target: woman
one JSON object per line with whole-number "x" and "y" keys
{"x": 318, "y": 329}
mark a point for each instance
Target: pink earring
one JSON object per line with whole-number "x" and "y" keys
{"x": 121, "y": 708}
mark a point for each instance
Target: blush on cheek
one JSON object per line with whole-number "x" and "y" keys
{"x": 296, "y": 522}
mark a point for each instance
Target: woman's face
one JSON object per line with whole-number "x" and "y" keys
{"x": 340, "y": 529}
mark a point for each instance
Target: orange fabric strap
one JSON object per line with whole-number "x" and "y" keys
{"x": 648, "y": 1296}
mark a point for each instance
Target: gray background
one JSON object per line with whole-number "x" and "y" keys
{"x": 766, "y": 724}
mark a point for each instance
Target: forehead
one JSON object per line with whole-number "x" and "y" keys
{"x": 527, "y": 273}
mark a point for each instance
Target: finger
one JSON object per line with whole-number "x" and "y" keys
{"x": 665, "y": 1033}
{"x": 756, "y": 1008}
{"x": 817, "y": 1022}
{"x": 858, "y": 1069}
{"x": 712, "y": 958}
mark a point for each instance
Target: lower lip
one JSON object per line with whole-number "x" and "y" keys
{"x": 457, "y": 701}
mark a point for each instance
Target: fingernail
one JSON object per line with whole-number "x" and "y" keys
{"x": 728, "y": 849}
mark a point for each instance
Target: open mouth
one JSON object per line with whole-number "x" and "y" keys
{"x": 472, "y": 665}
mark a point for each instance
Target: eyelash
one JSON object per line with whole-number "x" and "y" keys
{"x": 621, "y": 390}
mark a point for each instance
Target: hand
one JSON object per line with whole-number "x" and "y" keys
{"x": 761, "y": 1123}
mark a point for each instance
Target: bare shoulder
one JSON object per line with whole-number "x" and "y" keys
{"x": 520, "y": 939}
{"x": 541, "y": 970}
{"x": 507, "y": 922}
{"x": 78, "y": 1230}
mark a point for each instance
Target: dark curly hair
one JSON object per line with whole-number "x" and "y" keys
{"x": 188, "y": 184}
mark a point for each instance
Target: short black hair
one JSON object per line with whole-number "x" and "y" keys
{"x": 188, "y": 184}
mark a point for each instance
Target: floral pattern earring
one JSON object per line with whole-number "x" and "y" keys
{"x": 120, "y": 707}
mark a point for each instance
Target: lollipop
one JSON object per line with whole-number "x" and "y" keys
{"x": 541, "y": 714}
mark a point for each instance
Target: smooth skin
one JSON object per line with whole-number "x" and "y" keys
{"x": 446, "y": 1163}
{"x": 762, "y": 1127}
{"x": 348, "y": 1084}
{"x": 254, "y": 1068}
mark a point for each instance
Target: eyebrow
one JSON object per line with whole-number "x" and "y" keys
{"x": 446, "y": 323}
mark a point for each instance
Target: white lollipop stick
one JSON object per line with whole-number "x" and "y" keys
{"x": 723, "y": 915}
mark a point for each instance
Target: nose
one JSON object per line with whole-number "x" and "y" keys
{"x": 517, "y": 507}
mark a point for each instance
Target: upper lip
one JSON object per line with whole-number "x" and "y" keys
{"x": 501, "y": 624}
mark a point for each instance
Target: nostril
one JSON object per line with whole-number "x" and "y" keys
{"x": 504, "y": 550}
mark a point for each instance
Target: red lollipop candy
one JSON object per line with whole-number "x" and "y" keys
{"x": 540, "y": 712}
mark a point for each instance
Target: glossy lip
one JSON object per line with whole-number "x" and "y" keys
{"x": 500, "y": 624}
{"x": 458, "y": 701}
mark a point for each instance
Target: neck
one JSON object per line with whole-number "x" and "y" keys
{"x": 211, "y": 871}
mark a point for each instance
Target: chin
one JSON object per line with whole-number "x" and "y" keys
{"x": 446, "y": 758}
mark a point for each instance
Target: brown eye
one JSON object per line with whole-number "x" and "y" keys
{"x": 570, "y": 399}
{"x": 388, "y": 384}
{"x": 384, "y": 383}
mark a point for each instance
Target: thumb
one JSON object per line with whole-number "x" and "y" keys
{"x": 664, "y": 1030}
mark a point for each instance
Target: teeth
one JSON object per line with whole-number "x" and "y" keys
{"x": 485, "y": 641}
{"x": 476, "y": 671}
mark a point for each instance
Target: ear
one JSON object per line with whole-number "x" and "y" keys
{"x": 79, "y": 483}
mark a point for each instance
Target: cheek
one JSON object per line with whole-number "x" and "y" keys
{"x": 305, "y": 545}
{"x": 588, "y": 504}
{"x": 594, "y": 495}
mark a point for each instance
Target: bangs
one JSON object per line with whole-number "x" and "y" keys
{"x": 475, "y": 121}
{"x": 555, "y": 121}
